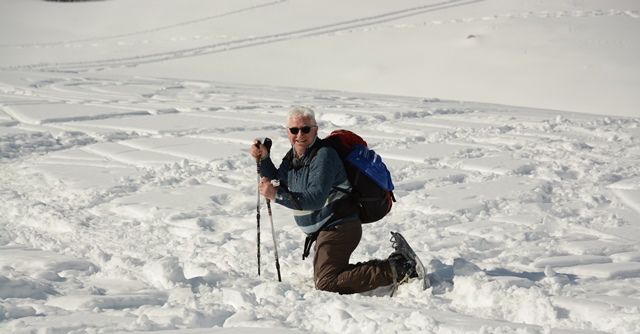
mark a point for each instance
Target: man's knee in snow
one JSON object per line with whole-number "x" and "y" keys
{"x": 326, "y": 284}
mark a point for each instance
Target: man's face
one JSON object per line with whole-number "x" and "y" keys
{"x": 300, "y": 141}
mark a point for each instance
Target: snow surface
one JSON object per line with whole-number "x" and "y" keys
{"x": 128, "y": 196}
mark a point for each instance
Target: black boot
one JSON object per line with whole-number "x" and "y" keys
{"x": 402, "y": 267}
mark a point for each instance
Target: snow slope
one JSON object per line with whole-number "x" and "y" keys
{"x": 128, "y": 197}
{"x": 578, "y": 56}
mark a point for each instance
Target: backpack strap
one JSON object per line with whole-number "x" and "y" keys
{"x": 308, "y": 242}
{"x": 284, "y": 187}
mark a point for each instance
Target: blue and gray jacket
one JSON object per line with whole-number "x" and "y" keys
{"x": 308, "y": 185}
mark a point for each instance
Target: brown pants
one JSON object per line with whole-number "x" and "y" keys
{"x": 332, "y": 271}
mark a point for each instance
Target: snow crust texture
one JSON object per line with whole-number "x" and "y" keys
{"x": 130, "y": 205}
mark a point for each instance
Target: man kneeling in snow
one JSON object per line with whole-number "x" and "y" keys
{"x": 308, "y": 186}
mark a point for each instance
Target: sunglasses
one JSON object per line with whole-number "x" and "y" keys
{"x": 305, "y": 129}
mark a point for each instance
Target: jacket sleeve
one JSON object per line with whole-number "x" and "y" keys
{"x": 323, "y": 172}
{"x": 268, "y": 169}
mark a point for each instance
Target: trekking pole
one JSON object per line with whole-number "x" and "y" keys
{"x": 258, "y": 208}
{"x": 267, "y": 143}
{"x": 275, "y": 245}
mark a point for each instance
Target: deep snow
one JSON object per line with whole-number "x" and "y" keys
{"x": 129, "y": 197}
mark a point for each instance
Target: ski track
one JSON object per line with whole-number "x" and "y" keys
{"x": 360, "y": 25}
{"x": 394, "y": 16}
{"x": 376, "y": 25}
{"x": 146, "y": 31}
{"x": 514, "y": 16}
{"x": 564, "y": 173}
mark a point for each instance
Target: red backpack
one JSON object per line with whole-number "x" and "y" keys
{"x": 368, "y": 175}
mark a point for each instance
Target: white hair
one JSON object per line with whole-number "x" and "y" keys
{"x": 302, "y": 112}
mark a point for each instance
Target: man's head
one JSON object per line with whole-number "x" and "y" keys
{"x": 302, "y": 128}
